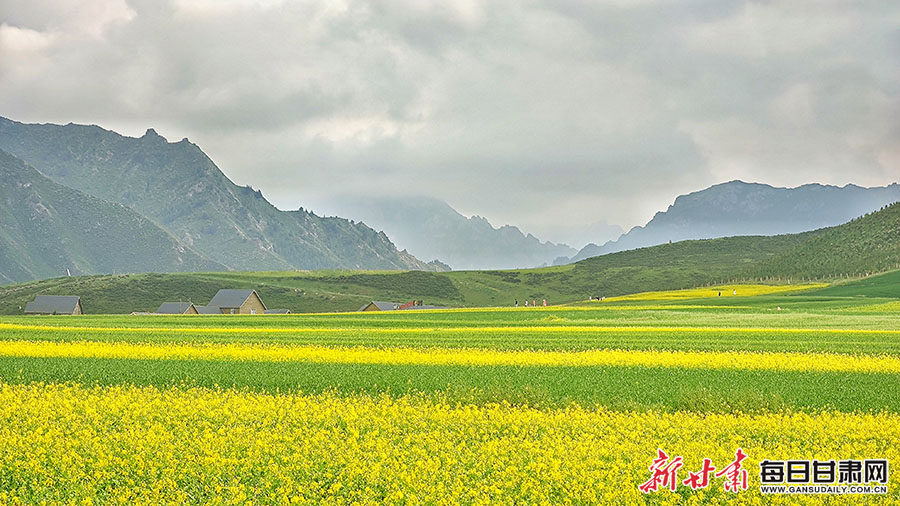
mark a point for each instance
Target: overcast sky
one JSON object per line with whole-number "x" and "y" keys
{"x": 552, "y": 116}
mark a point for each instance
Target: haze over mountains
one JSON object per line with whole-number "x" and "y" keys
{"x": 737, "y": 208}
{"x": 92, "y": 201}
{"x": 429, "y": 228}
{"x": 179, "y": 189}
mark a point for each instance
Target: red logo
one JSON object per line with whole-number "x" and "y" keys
{"x": 664, "y": 473}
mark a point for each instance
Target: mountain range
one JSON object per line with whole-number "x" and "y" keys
{"x": 85, "y": 200}
{"x": 430, "y": 228}
{"x": 178, "y": 189}
{"x": 737, "y": 208}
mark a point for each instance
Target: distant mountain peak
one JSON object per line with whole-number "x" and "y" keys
{"x": 153, "y": 135}
{"x": 738, "y": 208}
{"x": 431, "y": 228}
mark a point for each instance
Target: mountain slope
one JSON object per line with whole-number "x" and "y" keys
{"x": 738, "y": 208}
{"x": 863, "y": 246}
{"x": 181, "y": 189}
{"x": 48, "y": 228}
{"x": 679, "y": 265}
{"x": 430, "y": 228}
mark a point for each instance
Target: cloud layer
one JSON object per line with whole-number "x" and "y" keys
{"x": 548, "y": 115}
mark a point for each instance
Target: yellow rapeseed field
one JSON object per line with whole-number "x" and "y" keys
{"x": 778, "y": 361}
{"x": 70, "y": 444}
{"x": 885, "y": 307}
{"x": 714, "y": 291}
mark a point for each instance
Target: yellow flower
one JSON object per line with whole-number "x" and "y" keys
{"x": 65, "y": 443}
{"x": 779, "y": 361}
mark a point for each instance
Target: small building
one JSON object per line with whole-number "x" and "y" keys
{"x": 376, "y": 305}
{"x": 397, "y": 306}
{"x": 177, "y": 308}
{"x": 238, "y": 302}
{"x": 277, "y": 311}
{"x": 54, "y": 304}
{"x": 208, "y": 309}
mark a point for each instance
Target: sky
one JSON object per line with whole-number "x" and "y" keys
{"x": 558, "y": 117}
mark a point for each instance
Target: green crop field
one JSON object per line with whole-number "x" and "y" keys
{"x": 768, "y": 367}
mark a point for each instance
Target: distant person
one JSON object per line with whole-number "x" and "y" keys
{"x": 517, "y": 302}
{"x": 720, "y": 293}
{"x": 533, "y": 303}
{"x": 734, "y": 292}
{"x": 526, "y": 302}
{"x": 545, "y": 302}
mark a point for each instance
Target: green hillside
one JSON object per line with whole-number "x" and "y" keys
{"x": 666, "y": 267}
{"x": 47, "y": 228}
{"x": 320, "y": 291}
{"x": 884, "y": 285}
{"x": 863, "y": 246}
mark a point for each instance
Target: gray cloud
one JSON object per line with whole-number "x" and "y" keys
{"x": 530, "y": 113}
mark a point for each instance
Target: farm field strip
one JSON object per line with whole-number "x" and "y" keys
{"x": 228, "y": 446}
{"x": 868, "y": 342}
{"x": 776, "y": 361}
{"x": 610, "y": 387}
{"x": 458, "y": 330}
{"x": 716, "y": 292}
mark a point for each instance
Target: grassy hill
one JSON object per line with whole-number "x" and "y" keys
{"x": 47, "y": 228}
{"x": 868, "y": 244}
{"x": 884, "y": 285}
{"x": 863, "y": 246}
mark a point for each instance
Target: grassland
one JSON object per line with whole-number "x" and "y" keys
{"x": 851, "y": 252}
{"x": 474, "y": 406}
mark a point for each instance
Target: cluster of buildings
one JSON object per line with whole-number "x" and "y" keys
{"x": 228, "y": 301}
